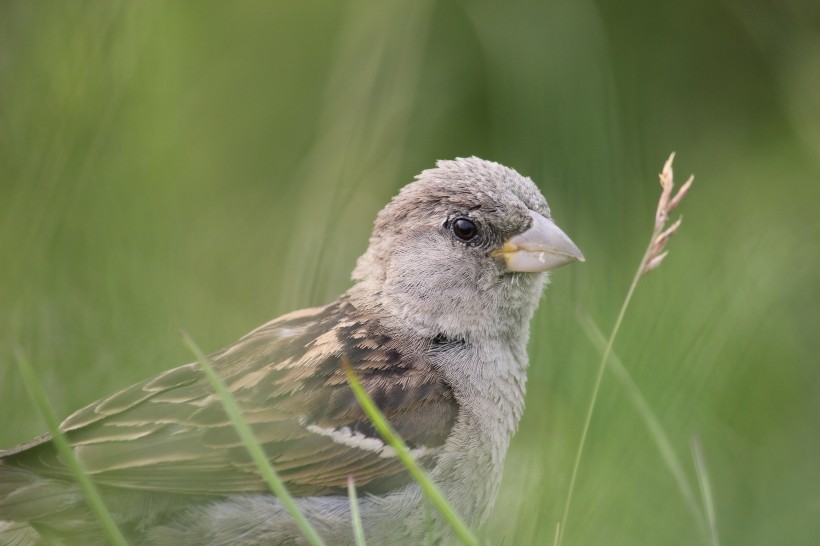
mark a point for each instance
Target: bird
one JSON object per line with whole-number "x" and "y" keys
{"x": 435, "y": 326}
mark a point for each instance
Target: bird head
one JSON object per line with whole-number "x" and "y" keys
{"x": 464, "y": 250}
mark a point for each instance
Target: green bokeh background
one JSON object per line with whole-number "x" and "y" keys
{"x": 210, "y": 165}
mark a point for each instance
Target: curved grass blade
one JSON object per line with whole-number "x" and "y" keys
{"x": 705, "y": 490}
{"x": 355, "y": 517}
{"x": 656, "y": 431}
{"x": 92, "y": 496}
{"x": 431, "y": 491}
{"x": 252, "y": 444}
{"x": 653, "y": 256}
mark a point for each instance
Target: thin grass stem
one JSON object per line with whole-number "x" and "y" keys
{"x": 705, "y": 490}
{"x": 561, "y": 529}
{"x": 656, "y": 430}
{"x": 652, "y": 258}
{"x": 92, "y": 495}
{"x": 355, "y": 516}
{"x": 252, "y": 444}
{"x": 431, "y": 491}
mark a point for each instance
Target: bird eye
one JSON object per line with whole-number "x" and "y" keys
{"x": 464, "y": 229}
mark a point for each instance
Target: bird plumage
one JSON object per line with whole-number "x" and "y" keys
{"x": 435, "y": 327}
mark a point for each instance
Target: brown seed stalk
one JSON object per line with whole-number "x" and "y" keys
{"x": 666, "y": 204}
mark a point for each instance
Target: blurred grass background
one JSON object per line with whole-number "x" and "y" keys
{"x": 210, "y": 165}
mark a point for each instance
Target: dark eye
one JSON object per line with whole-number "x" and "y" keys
{"x": 464, "y": 229}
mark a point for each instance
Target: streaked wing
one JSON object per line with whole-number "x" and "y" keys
{"x": 170, "y": 433}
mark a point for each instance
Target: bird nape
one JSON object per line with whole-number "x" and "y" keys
{"x": 435, "y": 327}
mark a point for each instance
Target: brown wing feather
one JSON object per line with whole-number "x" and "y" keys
{"x": 170, "y": 433}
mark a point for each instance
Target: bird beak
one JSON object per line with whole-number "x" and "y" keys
{"x": 541, "y": 248}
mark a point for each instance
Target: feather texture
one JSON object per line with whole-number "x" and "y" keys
{"x": 171, "y": 434}
{"x": 435, "y": 327}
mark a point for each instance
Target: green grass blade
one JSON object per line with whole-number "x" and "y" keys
{"x": 95, "y": 502}
{"x": 705, "y": 491}
{"x": 593, "y": 400}
{"x": 355, "y": 517}
{"x": 653, "y": 256}
{"x": 392, "y": 438}
{"x": 252, "y": 444}
{"x": 656, "y": 430}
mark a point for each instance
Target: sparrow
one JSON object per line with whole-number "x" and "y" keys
{"x": 435, "y": 327}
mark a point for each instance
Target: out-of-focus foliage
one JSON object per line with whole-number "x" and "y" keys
{"x": 209, "y": 165}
